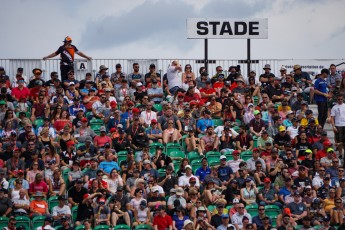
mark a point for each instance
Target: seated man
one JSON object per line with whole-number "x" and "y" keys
{"x": 208, "y": 142}
{"x": 61, "y": 210}
{"x": 102, "y": 213}
{"x": 298, "y": 208}
{"x": 237, "y": 218}
{"x": 21, "y": 205}
{"x": 6, "y": 204}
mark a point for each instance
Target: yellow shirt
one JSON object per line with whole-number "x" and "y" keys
{"x": 305, "y": 122}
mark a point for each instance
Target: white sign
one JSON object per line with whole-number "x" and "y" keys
{"x": 227, "y": 28}
{"x": 82, "y": 66}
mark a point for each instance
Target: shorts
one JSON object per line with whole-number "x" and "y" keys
{"x": 340, "y": 135}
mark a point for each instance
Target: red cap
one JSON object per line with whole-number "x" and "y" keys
{"x": 193, "y": 103}
{"x": 101, "y": 200}
{"x": 135, "y": 110}
{"x": 20, "y": 171}
{"x": 192, "y": 179}
{"x": 256, "y": 149}
{"x": 236, "y": 152}
{"x": 267, "y": 180}
{"x": 113, "y": 130}
{"x": 16, "y": 149}
{"x": 180, "y": 94}
{"x": 86, "y": 196}
{"x": 327, "y": 143}
{"x": 153, "y": 121}
{"x": 70, "y": 143}
{"x": 287, "y": 211}
{"x": 130, "y": 103}
{"x": 113, "y": 104}
{"x": 84, "y": 119}
{"x": 201, "y": 103}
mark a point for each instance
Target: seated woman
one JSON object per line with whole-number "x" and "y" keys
{"x": 192, "y": 142}
{"x": 142, "y": 215}
{"x": 57, "y": 186}
{"x": 249, "y": 192}
{"x": 179, "y": 218}
{"x": 338, "y": 212}
{"x": 211, "y": 194}
{"x": 170, "y": 134}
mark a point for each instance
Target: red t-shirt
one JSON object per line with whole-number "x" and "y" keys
{"x": 40, "y": 187}
{"x": 218, "y": 84}
{"x": 207, "y": 91}
{"x": 18, "y": 93}
{"x": 100, "y": 141}
{"x": 194, "y": 97}
{"x": 162, "y": 222}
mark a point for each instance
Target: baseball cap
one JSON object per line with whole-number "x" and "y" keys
{"x": 179, "y": 191}
{"x": 222, "y": 157}
{"x": 267, "y": 180}
{"x": 256, "y": 112}
{"x": 282, "y": 128}
{"x": 327, "y": 143}
{"x": 235, "y": 201}
{"x": 225, "y": 216}
{"x": 188, "y": 166}
{"x": 330, "y": 150}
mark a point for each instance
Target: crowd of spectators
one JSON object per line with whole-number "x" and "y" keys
{"x": 181, "y": 151}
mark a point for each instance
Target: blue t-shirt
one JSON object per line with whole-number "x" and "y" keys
{"x": 108, "y": 166}
{"x": 201, "y": 173}
{"x": 224, "y": 173}
{"x": 202, "y": 124}
{"x": 179, "y": 223}
{"x": 320, "y": 85}
{"x": 284, "y": 191}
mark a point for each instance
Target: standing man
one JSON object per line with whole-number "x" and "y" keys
{"x": 321, "y": 95}
{"x": 174, "y": 80}
{"x": 338, "y": 122}
{"x": 66, "y": 52}
{"x": 333, "y": 77}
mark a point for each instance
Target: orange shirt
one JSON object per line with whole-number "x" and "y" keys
{"x": 38, "y": 206}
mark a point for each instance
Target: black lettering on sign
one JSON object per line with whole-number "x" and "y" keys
{"x": 253, "y": 28}
{"x": 240, "y": 28}
{"x": 226, "y": 28}
{"x": 202, "y": 28}
{"x": 214, "y": 27}
{"x": 82, "y": 66}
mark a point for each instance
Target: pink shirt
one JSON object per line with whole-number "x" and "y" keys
{"x": 100, "y": 141}
{"x": 40, "y": 187}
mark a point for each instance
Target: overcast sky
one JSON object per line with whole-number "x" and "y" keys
{"x": 157, "y": 28}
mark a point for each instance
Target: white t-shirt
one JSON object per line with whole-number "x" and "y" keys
{"x": 237, "y": 219}
{"x": 220, "y": 129}
{"x": 184, "y": 180}
{"x": 293, "y": 131}
{"x": 338, "y": 112}
{"x": 148, "y": 116}
{"x": 174, "y": 79}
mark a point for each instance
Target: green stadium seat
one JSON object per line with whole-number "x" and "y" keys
{"x": 143, "y": 227}
{"x": 24, "y": 221}
{"x": 218, "y": 122}
{"x": 161, "y": 172}
{"x": 65, "y": 176}
{"x": 74, "y": 213}
{"x": 172, "y": 147}
{"x": 211, "y": 208}
{"x": 38, "y": 123}
{"x": 52, "y": 202}
{"x": 158, "y": 107}
{"x": 272, "y": 210}
{"x": 117, "y": 227}
{"x": 38, "y": 221}
{"x": 213, "y": 154}
{"x": 246, "y": 155}
{"x": 252, "y": 209}
{"x": 195, "y": 164}
{"x": 3, "y": 221}
{"x": 80, "y": 227}
{"x": 177, "y": 154}
{"x": 193, "y": 155}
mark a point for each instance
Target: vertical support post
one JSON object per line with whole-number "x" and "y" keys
{"x": 206, "y": 54}
{"x": 248, "y": 57}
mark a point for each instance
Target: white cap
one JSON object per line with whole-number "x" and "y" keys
{"x": 235, "y": 201}
{"x": 139, "y": 84}
{"x": 71, "y": 83}
{"x": 283, "y": 67}
{"x": 188, "y": 166}
{"x": 186, "y": 222}
{"x": 222, "y": 157}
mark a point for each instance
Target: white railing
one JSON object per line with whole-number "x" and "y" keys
{"x": 48, "y": 66}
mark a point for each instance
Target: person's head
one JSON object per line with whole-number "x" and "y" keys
{"x": 261, "y": 210}
{"x": 138, "y": 192}
{"x": 240, "y": 208}
{"x": 135, "y": 67}
{"x": 306, "y": 222}
{"x": 38, "y": 178}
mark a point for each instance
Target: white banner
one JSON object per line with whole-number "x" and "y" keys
{"x": 227, "y": 28}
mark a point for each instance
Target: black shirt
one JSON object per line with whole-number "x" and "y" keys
{"x": 216, "y": 220}
{"x": 281, "y": 140}
{"x": 138, "y": 96}
{"x": 168, "y": 184}
{"x": 124, "y": 200}
{"x": 76, "y": 196}
{"x": 84, "y": 212}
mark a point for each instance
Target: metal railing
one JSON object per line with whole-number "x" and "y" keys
{"x": 84, "y": 66}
